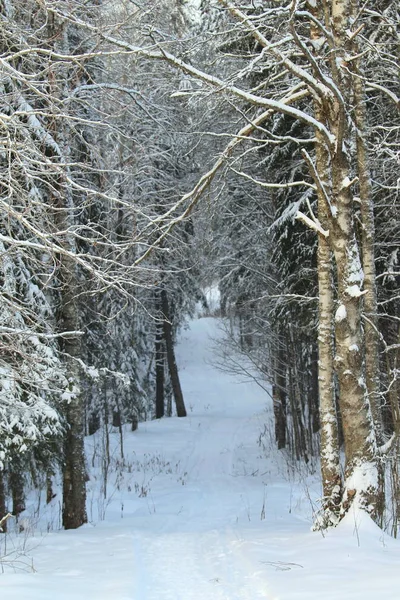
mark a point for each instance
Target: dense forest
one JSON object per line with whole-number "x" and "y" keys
{"x": 152, "y": 148}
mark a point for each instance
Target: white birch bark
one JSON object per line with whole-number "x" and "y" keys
{"x": 367, "y": 239}
{"x": 361, "y": 469}
{"x": 329, "y": 439}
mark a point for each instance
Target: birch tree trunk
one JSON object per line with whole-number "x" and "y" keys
{"x": 329, "y": 450}
{"x": 336, "y": 215}
{"x": 361, "y": 469}
{"x": 367, "y": 237}
{"x": 332, "y": 485}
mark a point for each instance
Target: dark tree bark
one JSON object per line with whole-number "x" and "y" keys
{"x": 116, "y": 418}
{"x": 49, "y": 487}
{"x": 279, "y": 400}
{"x": 93, "y": 423}
{"x": 159, "y": 363}
{"x": 16, "y": 485}
{"x": 3, "y": 506}
{"x": 134, "y": 423}
{"x": 74, "y": 472}
{"x": 172, "y": 366}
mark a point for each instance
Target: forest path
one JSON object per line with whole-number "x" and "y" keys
{"x": 199, "y": 552}
{"x": 202, "y": 508}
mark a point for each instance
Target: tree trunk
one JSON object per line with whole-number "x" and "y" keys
{"x": 367, "y": 242}
{"x": 314, "y": 384}
{"x": 49, "y": 487}
{"x": 3, "y": 505}
{"x": 279, "y": 397}
{"x": 362, "y": 474}
{"x": 134, "y": 421}
{"x": 74, "y": 472}
{"x": 159, "y": 365}
{"x": 329, "y": 440}
{"x": 393, "y": 368}
{"x": 329, "y": 450}
{"x": 295, "y": 398}
{"x": 94, "y": 423}
{"x": 172, "y": 366}
{"x": 16, "y": 485}
{"x": 336, "y": 215}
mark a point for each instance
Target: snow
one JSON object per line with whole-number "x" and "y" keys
{"x": 213, "y": 298}
{"x": 341, "y": 313}
{"x": 193, "y": 12}
{"x": 354, "y": 291}
{"x": 70, "y": 394}
{"x": 363, "y": 478}
{"x": 355, "y": 273}
{"x": 203, "y": 507}
{"x": 346, "y": 182}
{"x": 280, "y": 106}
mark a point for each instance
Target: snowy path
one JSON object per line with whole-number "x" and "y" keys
{"x": 197, "y": 552}
{"x": 201, "y": 512}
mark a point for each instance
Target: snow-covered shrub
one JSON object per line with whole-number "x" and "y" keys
{"x": 31, "y": 375}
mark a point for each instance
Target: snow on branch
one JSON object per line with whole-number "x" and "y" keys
{"x": 322, "y": 87}
{"x": 46, "y": 336}
{"x": 161, "y": 54}
{"x": 266, "y": 184}
{"x": 384, "y": 90}
{"x": 191, "y": 198}
{"x": 312, "y": 224}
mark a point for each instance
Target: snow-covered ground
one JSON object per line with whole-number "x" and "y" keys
{"x": 203, "y": 508}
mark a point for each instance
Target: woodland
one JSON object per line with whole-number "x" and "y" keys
{"x": 152, "y": 148}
